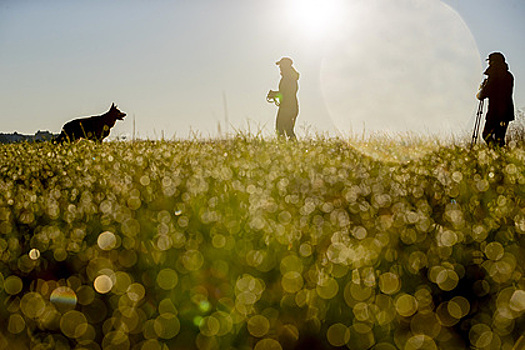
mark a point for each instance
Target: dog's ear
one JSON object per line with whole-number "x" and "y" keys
{"x": 113, "y": 105}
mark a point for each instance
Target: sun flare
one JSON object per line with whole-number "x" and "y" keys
{"x": 315, "y": 16}
{"x": 389, "y": 73}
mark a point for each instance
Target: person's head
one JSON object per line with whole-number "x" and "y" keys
{"x": 495, "y": 59}
{"x": 285, "y": 64}
{"x": 287, "y": 70}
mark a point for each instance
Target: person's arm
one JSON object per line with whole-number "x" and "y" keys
{"x": 484, "y": 89}
{"x": 274, "y": 97}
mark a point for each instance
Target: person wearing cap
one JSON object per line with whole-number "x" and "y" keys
{"x": 286, "y": 98}
{"x": 498, "y": 88}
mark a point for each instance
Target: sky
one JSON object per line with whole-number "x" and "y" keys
{"x": 185, "y": 68}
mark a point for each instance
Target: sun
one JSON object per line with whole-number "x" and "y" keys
{"x": 314, "y": 17}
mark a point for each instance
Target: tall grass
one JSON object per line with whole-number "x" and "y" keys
{"x": 250, "y": 242}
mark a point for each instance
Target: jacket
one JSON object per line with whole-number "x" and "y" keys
{"x": 288, "y": 87}
{"x": 498, "y": 88}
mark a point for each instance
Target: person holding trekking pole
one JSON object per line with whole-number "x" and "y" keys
{"x": 498, "y": 88}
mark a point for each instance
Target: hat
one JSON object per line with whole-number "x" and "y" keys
{"x": 285, "y": 61}
{"x": 496, "y": 57}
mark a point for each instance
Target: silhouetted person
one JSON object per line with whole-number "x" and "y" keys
{"x": 497, "y": 87}
{"x": 286, "y": 98}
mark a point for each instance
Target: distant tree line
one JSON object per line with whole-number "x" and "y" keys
{"x": 16, "y": 137}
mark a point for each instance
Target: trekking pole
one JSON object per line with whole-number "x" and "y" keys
{"x": 477, "y": 124}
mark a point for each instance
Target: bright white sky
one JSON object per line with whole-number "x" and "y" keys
{"x": 175, "y": 65}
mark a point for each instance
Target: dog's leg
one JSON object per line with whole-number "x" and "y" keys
{"x": 60, "y": 138}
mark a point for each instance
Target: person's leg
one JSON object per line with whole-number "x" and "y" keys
{"x": 499, "y": 133}
{"x": 285, "y": 122}
{"x": 290, "y": 122}
{"x": 289, "y": 126}
{"x": 488, "y": 132}
{"x": 279, "y": 128}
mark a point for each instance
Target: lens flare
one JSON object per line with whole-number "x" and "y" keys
{"x": 63, "y": 297}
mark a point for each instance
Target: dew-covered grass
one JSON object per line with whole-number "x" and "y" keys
{"x": 258, "y": 243}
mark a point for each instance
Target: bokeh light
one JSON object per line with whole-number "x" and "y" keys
{"x": 166, "y": 326}
{"x": 34, "y": 254}
{"x": 338, "y": 334}
{"x": 107, "y": 240}
{"x": 13, "y": 285}
{"x": 64, "y": 298}
{"x": 406, "y": 305}
{"x": 103, "y": 284}
{"x": 33, "y": 305}
{"x": 268, "y": 344}
{"x": 258, "y": 326}
{"x": 167, "y": 279}
{"x": 73, "y": 324}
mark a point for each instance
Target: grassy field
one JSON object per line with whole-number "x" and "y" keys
{"x": 254, "y": 243}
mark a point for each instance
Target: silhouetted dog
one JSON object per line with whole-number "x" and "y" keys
{"x": 92, "y": 128}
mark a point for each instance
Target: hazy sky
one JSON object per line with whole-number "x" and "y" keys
{"x": 184, "y": 65}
